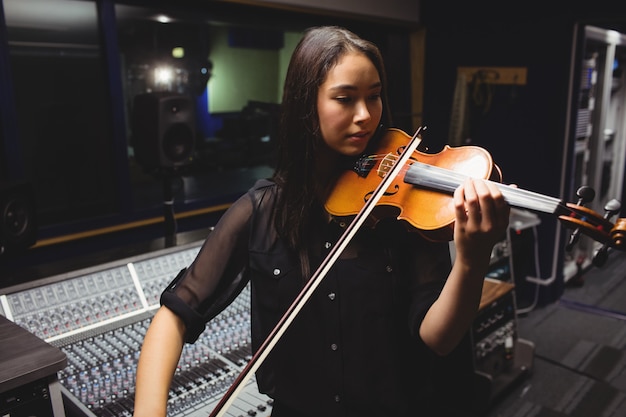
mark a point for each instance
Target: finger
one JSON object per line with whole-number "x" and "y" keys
{"x": 459, "y": 203}
{"x": 496, "y": 204}
{"x": 487, "y": 194}
{"x": 472, "y": 202}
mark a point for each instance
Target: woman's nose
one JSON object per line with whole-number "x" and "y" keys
{"x": 362, "y": 113}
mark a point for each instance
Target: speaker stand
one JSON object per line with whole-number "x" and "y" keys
{"x": 168, "y": 209}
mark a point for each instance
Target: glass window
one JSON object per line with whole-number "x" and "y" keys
{"x": 61, "y": 94}
{"x": 231, "y": 75}
{"x": 184, "y": 106}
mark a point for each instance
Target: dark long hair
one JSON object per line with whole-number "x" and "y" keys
{"x": 299, "y": 135}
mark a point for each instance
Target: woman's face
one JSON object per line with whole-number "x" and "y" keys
{"x": 349, "y": 104}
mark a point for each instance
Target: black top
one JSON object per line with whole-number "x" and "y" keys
{"x": 354, "y": 349}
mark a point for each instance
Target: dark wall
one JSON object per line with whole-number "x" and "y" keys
{"x": 523, "y": 127}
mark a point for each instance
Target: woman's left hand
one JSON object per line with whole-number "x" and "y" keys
{"x": 482, "y": 217}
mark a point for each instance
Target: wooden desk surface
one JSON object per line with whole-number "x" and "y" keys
{"x": 24, "y": 357}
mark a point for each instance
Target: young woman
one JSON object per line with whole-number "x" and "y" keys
{"x": 368, "y": 340}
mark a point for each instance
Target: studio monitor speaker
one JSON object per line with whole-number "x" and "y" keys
{"x": 18, "y": 225}
{"x": 163, "y": 129}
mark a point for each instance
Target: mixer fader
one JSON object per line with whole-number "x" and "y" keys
{"x": 98, "y": 317}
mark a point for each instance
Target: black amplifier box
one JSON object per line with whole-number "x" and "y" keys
{"x": 500, "y": 357}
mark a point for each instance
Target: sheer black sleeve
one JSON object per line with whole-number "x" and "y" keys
{"x": 216, "y": 276}
{"x": 431, "y": 265}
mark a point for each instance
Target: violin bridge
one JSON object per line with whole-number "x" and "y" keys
{"x": 386, "y": 164}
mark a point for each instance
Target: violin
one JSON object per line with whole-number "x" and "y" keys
{"x": 422, "y": 194}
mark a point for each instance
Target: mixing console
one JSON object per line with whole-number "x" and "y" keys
{"x": 98, "y": 317}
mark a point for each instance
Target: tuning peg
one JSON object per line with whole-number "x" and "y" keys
{"x": 610, "y": 209}
{"x": 585, "y": 194}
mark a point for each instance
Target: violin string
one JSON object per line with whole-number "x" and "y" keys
{"x": 443, "y": 179}
{"x": 448, "y": 180}
{"x": 433, "y": 177}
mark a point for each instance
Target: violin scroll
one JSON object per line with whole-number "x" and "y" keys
{"x": 600, "y": 228}
{"x": 610, "y": 209}
{"x": 618, "y": 233}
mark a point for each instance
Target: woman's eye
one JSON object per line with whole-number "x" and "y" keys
{"x": 343, "y": 99}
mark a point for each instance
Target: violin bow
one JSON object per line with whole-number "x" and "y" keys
{"x": 307, "y": 291}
